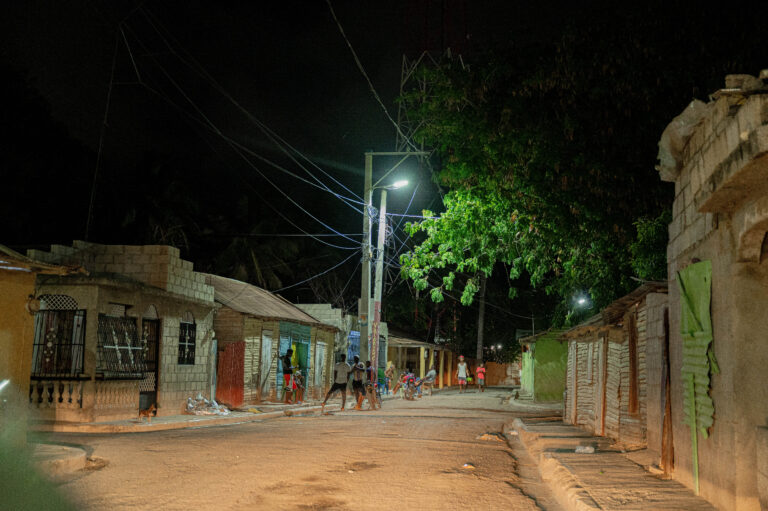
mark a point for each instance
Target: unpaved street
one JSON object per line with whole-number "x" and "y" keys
{"x": 408, "y": 454}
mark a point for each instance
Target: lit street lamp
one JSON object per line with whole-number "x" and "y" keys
{"x": 364, "y": 308}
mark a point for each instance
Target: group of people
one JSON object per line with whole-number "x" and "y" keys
{"x": 363, "y": 383}
{"x": 364, "y": 380}
{"x": 293, "y": 380}
{"x": 464, "y": 375}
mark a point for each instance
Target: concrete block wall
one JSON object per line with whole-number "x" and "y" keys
{"x": 157, "y": 265}
{"x": 179, "y": 382}
{"x": 725, "y": 140}
{"x": 721, "y": 204}
{"x": 656, "y": 304}
{"x": 228, "y": 325}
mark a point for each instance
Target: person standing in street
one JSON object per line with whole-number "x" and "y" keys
{"x": 298, "y": 380}
{"x": 462, "y": 373}
{"x": 340, "y": 378}
{"x": 288, "y": 384}
{"x": 358, "y": 386}
{"x": 480, "y": 373}
{"x": 389, "y": 374}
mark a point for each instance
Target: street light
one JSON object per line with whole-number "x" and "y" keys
{"x": 379, "y": 277}
{"x": 364, "y": 308}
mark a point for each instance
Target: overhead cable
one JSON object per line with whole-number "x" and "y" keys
{"x": 268, "y": 132}
{"x": 231, "y": 144}
{"x": 315, "y": 276}
{"x": 367, "y": 79}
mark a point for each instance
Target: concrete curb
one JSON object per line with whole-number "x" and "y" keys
{"x": 188, "y": 421}
{"x": 564, "y": 485}
{"x": 566, "y": 488}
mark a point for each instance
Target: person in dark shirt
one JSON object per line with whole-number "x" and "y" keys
{"x": 288, "y": 384}
{"x": 358, "y": 385}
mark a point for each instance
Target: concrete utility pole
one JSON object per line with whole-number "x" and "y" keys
{"x": 364, "y": 307}
{"x": 379, "y": 281}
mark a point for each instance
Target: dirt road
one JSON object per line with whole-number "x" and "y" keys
{"x": 408, "y": 454}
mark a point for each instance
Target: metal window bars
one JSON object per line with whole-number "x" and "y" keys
{"x": 59, "y": 344}
{"x": 121, "y": 354}
{"x": 187, "y": 341}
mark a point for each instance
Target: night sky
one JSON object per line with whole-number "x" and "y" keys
{"x": 165, "y": 175}
{"x": 285, "y": 63}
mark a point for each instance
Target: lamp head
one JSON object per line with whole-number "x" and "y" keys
{"x": 399, "y": 184}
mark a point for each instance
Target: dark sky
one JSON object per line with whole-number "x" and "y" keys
{"x": 285, "y": 62}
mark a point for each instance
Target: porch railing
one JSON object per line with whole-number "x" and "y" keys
{"x": 56, "y": 394}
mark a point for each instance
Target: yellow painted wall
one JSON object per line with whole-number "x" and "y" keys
{"x": 16, "y": 338}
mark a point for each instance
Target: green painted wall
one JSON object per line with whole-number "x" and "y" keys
{"x": 526, "y": 374}
{"x": 549, "y": 367}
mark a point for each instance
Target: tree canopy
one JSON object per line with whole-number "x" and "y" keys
{"x": 548, "y": 154}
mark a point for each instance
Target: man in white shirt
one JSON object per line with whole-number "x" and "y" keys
{"x": 462, "y": 372}
{"x": 340, "y": 377}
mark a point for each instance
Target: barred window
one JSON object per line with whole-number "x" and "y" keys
{"x": 120, "y": 353}
{"x": 59, "y": 343}
{"x": 187, "y": 339}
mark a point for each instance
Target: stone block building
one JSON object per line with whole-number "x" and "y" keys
{"x": 542, "y": 366}
{"x": 610, "y": 356}
{"x": 718, "y": 294}
{"x": 255, "y": 328}
{"x": 137, "y": 330}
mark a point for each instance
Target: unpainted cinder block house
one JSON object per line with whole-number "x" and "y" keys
{"x": 136, "y": 330}
{"x": 614, "y": 380}
{"x": 716, "y": 155}
{"x": 255, "y": 328}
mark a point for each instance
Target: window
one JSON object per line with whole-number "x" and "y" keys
{"x": 59, "y": 343}
{"x": 120, "y": 353}
{"x": 187, "y": 335}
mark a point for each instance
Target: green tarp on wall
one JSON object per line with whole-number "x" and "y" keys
{"x": 695, "y": 283}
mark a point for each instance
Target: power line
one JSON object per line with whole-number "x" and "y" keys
{"x": 216, "y": 130}
{"x": 274, "y": 137}
{"x": 102, "y": 133}
{"x": 315, "y": 276}
{"x": 285, "y": 235}
{"x": 367, "y": 79}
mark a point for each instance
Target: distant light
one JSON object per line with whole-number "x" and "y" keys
{"x": 498, "y": 346}
{"x": 399, "y": 184}
{"x": 582, "y": 301}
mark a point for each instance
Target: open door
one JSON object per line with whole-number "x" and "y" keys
{"x": 667, "y": 446}
{"x": 600, "y": 387}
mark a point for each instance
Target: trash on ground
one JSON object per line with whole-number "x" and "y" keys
{"x": 254, "y": 410}
{"x": 512, "y": 432}
{"x": 490, "y": 436}
{"x": 351, "y": 471}
{"x": 468, "y": 466}
{"x": 585, "y": 449}
{"x": 201, "y": 406}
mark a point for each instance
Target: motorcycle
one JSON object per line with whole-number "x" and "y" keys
{"x": 410, "y": 389}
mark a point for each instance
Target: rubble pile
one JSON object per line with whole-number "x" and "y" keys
{"x": 202, "y": 406}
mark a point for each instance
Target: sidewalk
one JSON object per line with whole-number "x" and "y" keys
{"x": 605, "y": 479}
{"x": 265, "y": 411}
{"x": 179, "y": 421}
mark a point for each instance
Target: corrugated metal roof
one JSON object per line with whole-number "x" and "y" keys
{"x": 615, "y": 310}
{"x": 249, "y": 299}
{"x": 394, "y": 341}
{"x": 13, "y": 261}
{"x": 552, "y": 334}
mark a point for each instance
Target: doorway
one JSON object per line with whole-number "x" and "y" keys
{"x": 150, "y": 342}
